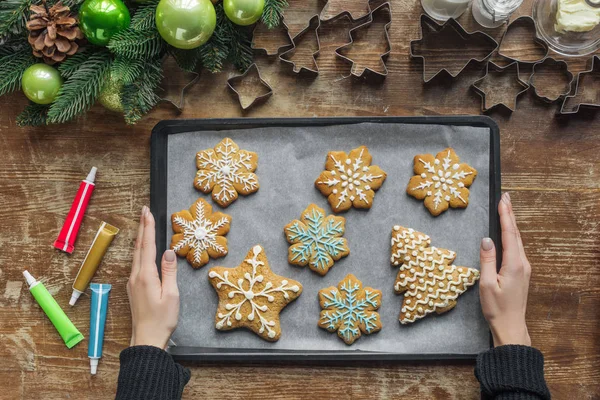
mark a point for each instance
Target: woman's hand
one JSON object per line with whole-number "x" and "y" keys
{"x": 154, "y": 305}
{"x": 504, "y": 294}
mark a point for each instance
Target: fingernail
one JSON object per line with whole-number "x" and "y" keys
{"x": 487, "y": 244}
{"x": 144, "y": 211}
{"x": 506, "y": 198}
{"x": 169, "y": 256}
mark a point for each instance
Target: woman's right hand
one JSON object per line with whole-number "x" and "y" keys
{"x": 504, "y": 294}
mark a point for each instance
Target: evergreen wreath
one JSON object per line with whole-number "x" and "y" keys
{"x": 134, "y": 56}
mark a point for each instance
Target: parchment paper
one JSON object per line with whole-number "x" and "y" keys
{"x": 290, "y": 159}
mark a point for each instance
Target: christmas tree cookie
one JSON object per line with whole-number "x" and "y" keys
{"x": 442, "y": 181}
{"x": 199, "y": 234}
{"x": 349, "y": 309}
{"x": 226, "y": 171}
{"x": 427, "y": 277}
{"x": 316, "y": 239}
{"x": 251, "y": 296}
{"x": 350, "y": 179}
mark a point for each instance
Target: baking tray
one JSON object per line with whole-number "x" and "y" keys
{"x": 459, "y": 334}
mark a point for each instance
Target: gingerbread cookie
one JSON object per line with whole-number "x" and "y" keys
{"x": 349, "y": 309}
{"x": 427, "y": 277}
{"x": 199, "y": 234}
{"x": 252, "y": 296}
{"x": 442, "y": 181}
{"x": 350, "y": 179}
{"x": 226, "y": 171}
{"x": 316, "y": 239}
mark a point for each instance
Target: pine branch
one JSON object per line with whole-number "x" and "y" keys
{"x": 73, "y": 4}
{"x": 240, "y": 52}
{"x": 186, "y": 59}
{"x": 132, "y": 43}
{"x": 68, "y": 67}
{"x": 144, "y": 16}
{"x": 80, "y": 91}
{"x": 33, "y": 115}
{"x": 13, "y": 16}
{"x": 126, "y": 70}
{"x": 273, "y": 12}
{"x": 13, "y": 65}
{"x": 139, "y": 97}
{"x": 214, "y": 52}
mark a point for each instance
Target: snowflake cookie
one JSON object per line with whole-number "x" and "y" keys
{"x": 442, "y": 181}
{"x": 252, "y": 296}
{"x": 226, "y": 171}
{"x": 350, "y": 179}
{"x": 199, "y": 234}
{"x": 427, "y": 277}
{"x": 316, "y": 239}
{"x": 349, "y": 309}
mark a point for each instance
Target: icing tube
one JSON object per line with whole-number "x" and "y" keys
{"x": 98, "y": 311}
{"x": 57, "y": 316}
{"x": 68, "y": 233}
{"x": 104, "y": 237}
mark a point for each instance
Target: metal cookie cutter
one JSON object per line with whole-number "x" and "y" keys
{"x": 449, "y": 43}
{"x": 364, "y": 71}
{"x": 342, "y": 8}
{"x": 552, "y": 68}
{"x": 592, "y": 100}
{"x": 487, "y": 90}
{"x": 314, "y": 25}
{"x": 236, "y": 80}
{"x": 525, "y": 22}
{"x": 261, "y": 30}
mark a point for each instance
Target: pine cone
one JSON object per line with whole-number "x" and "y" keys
{"x": 54, "y": 33}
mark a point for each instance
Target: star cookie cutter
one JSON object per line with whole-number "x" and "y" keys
{"x": 236, "y": 80}
{"x": 314, "y": 25}
{"x": 383, "y": 8}
{"x": 450, "y": 46}
{"x": 261, "y": 30}
{"x": 524, "y": 22}
{"x": 553, "y": 68}
{"x": 594, "y": 74}
{"x": 485, "y": 94}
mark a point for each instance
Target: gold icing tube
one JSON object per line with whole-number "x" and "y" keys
{"x": 92, "y": 260}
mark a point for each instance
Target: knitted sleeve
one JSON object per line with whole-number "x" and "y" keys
{"x": 512, "y": 372}
{"x": 148, "y": 372}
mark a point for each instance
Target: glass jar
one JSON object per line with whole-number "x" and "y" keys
{"x": 493, "y": 13}
{"x": 444, "y": 9}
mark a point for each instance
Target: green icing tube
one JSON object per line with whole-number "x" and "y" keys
{"x": 57, "y": 316}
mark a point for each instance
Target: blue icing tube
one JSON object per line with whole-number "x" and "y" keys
{"x": 98, "y": 310}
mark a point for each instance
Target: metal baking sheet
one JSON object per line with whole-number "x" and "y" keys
{"x": 291, "y": 155}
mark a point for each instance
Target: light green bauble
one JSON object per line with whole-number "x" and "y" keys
{"x": 243, "y": 12}
{"x": 186, "y": 24}
{"x": 41, "y": 83}
{"x": 110, "y": 96}
{"x": 99, "y": 20}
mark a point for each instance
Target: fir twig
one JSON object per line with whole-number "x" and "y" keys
{"x": 13, "y": 65}
{"x": 240, "y": 52}
{"x": 33, "y": 115}
{"x": 13, "y": 16}
{"x": 214, "y": 52}
{"x": 144, "y": 16}
{"x": 187, "y": 60}
{"x": 139, "y": 97}
{"x": 80, "y": 91}
{"x": 68, "y": 67}
{"x": 126, "y": 70}
{"x": 132, "y": 43}
{"x": 273, "y": 12}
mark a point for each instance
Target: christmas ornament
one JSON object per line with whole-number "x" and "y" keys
{"x": 186, "y": 24}
{"x": 101, "y": 19}
{"x": 41, "y": 83}
{"x": 53, "y": 32}
{"x": 110, "y": 96}
{"x": 243, "y": 12}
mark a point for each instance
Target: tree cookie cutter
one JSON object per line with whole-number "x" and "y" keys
{"x": 314, "y": 25}
{"x": 529, "y": 23}
{"x": 235, "y": 81}
{"x": 261, "y": 31}
{"x": 354, "y": 10}
{"x": 366, "y": 71}
{"x": 592, "y": 74}
{"x": 449, "y": 43}
{"x": 553, "y": 69}
{"x": 488, "y": 92}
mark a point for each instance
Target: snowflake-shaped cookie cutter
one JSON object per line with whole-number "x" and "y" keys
{"x": 350, "y": 179}
{"x": 252, "y": 296}
{"x": 442, "y": 181}
{"x": 349, "y": 309}
{"x": 199, "y": 234}
{"x": 316, "y": 239}
{"x": 226, "y": 171}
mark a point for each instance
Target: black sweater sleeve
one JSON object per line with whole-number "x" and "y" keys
{"x": 512, "y": 372}
{"x": 148, "y": 372}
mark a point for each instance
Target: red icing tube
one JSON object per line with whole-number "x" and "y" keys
{"x": 68, "y": 233}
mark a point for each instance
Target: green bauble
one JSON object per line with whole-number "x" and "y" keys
{"x": 41, "y": 83}
{"x": 110, "y": 96}
{"x": 186, "y": 24}
{"x": 99, "y": 20}
{"x": 243, "y": 12}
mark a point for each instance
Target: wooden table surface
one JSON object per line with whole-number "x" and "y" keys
{"x": 550, "y": 164}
